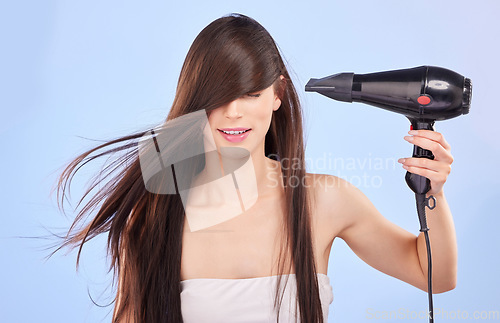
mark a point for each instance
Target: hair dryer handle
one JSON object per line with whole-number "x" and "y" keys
{"x": 420, "y": 184}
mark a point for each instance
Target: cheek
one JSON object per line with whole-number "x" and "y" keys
{"x": 265, "y": 111}
{"x": 265, "y": 114}
{"x": 214, "y": 116}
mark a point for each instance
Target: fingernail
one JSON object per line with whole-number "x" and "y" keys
{"x": 409, "y": 138}
{"x": 401, "y": 160}
{"x": 412, "y": 132}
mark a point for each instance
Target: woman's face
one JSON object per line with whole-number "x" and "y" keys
{"x": 245, "y": 121}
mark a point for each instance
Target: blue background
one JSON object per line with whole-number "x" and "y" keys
{"x": 101, "y": 69}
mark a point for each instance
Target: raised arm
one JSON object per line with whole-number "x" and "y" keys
{"x": 386, "y": 246}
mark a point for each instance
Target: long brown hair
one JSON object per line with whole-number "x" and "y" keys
{"x": 232, "y": 56}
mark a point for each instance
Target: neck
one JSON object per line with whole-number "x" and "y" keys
{"x": 246, "y": 168}
{"x": 232, "y": 182}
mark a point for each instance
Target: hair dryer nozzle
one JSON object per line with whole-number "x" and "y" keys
{"x": 337, "y": 87}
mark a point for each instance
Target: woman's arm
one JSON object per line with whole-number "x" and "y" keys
{"x": 440, "y": 221}
{"x": 393, "y": 250}
{"x": 443, "y": 245}
{"x": 384, "y": 245}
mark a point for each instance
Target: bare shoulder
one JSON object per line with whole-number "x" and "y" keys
{"x": 332, "y": 199}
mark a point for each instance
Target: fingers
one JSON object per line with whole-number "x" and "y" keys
{"x": 437, "y": 169}
{"x": 437, "y": 178}
{"x": 433, "y": 141}
{"x": 435, "y": 166}
{"x": 431, "y": 135}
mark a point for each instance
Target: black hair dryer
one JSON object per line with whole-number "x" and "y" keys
{"x": 423, "y": 94}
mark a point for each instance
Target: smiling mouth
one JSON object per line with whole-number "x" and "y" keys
{"x": 235, "y": 135}
{"x": 234, "y": 132}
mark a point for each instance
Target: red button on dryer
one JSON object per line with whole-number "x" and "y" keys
{"x": 424, "y": 100}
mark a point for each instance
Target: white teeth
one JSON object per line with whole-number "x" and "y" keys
{"x": 233, "y": 132}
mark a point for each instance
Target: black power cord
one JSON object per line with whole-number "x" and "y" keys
{"x": 422, "y": 202}
{"x": 415, "y": 182}
{"x": 421, "y": 185}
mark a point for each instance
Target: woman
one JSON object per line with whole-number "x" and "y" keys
{"x": 202, "y": 252}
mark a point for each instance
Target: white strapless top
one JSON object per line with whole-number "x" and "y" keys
{"x": 220, "y": 300}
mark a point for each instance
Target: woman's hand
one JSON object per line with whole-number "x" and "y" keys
{"x": 436, "y": 170}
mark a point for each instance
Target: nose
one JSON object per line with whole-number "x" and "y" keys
{"x": 233, "y": 110}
